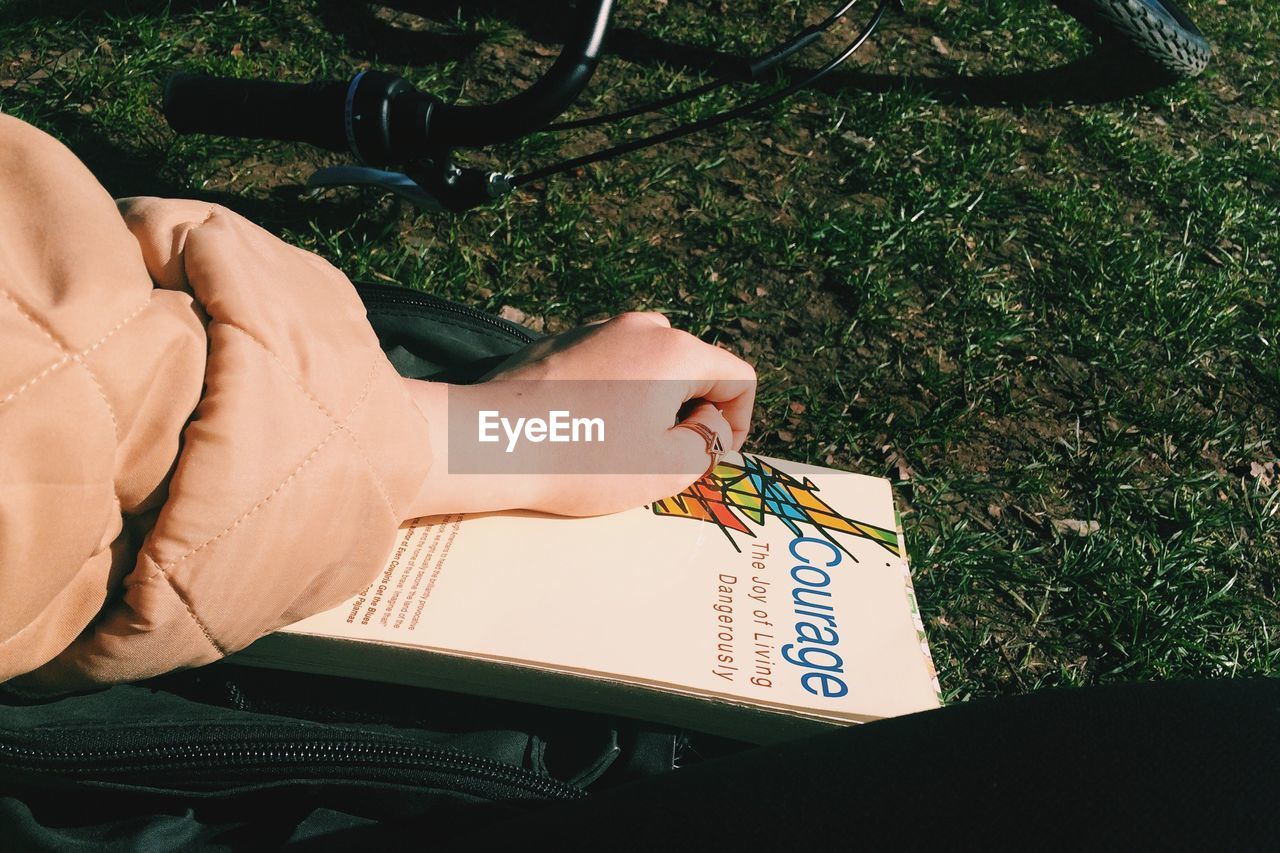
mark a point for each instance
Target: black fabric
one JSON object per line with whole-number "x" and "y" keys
{"x": 1169, "y": 766}
{"x": 225, "y": 756}
{"x": 1164, "y": 766}
{"x": 429, "y": 338}
{"x": 195, "y": 730}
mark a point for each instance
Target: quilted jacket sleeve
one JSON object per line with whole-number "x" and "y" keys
{"x": 200, "y": 440}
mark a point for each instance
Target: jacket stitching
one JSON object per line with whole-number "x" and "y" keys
{"x": 377, "y": 479}
{"x": 343, "y": 425}
{"x": 204, "y": 629}
{"x": 102, "y": 394}
{"x": 93, "y": 376}
{"x": 382, "y": 489}
{"x": 118, "y": 326}
{"x": 165, "y": 568}
{"x": 28, "y": 315}
{"x": 34, "y": 379}
{"x": 287, "y": 372}
{"x": 69, "y": 356}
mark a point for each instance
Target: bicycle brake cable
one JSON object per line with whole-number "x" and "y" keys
{"x": 748, "y": 71}
{"x": 509, "y": 182}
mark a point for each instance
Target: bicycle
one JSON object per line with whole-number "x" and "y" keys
{"x": 382, "y": 120}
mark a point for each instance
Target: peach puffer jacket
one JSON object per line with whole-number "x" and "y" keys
{"x": 200, "y": 439}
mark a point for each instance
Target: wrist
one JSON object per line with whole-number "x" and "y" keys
{"x": 445, "y": 492}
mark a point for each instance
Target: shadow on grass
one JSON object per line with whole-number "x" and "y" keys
{"x": 125, "y": 171}
{"x": 409, "y": 32}
{"x": 60, "y": 11}
{"x": 1107, "y": 74}
{"x": 368, "y": 35}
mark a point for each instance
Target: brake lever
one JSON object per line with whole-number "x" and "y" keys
{"x": 362, "y": 176}
{"x": 457, "y": 188}
{"x": 451, "y": 188}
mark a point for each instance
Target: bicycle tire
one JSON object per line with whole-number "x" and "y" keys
{"x": 1159, "y": 31}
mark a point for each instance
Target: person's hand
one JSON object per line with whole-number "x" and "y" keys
{"x": 643, "y": 346}
{"x": 635, "y": 373}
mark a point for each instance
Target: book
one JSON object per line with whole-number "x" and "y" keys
{"x": 767, "y": 601}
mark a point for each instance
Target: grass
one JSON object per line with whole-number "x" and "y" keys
{"x": 1047, "y": 307}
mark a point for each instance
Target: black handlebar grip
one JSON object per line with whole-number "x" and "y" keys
{"x": 258, "y": 109}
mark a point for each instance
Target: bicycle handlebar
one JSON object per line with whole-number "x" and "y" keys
{"x": 378, "y": 117}
{"x": 539, "y": 105}
{"x": 258, "y": 109}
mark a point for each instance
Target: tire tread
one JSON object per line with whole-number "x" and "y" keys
{"x": 1170, "y": 46}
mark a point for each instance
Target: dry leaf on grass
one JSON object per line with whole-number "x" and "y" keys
{"x": 896, "y": 459}
{"x": 1076, "y": 526}
{"x": 512, "y": 313}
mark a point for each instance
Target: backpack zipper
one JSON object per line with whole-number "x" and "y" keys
{"x": 399, "y": 763}
{"x": 381, "y": 294}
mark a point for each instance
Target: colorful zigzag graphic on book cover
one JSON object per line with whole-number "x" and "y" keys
{"x": 733, "y": 496}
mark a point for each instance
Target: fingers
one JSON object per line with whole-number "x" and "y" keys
{"x": 689, "y": 445}
{"x": 653, "y": 318}
{"x": 719, "y": 377}
{"x": 642, "y": 346}
{"x": 736, "y": 400}
{"x": 672, "y": 462}
{"x": 656, "y": 318}
{"x": 729, "y": 383}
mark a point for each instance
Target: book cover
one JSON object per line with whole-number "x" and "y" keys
{"x": 768, "y": 600}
